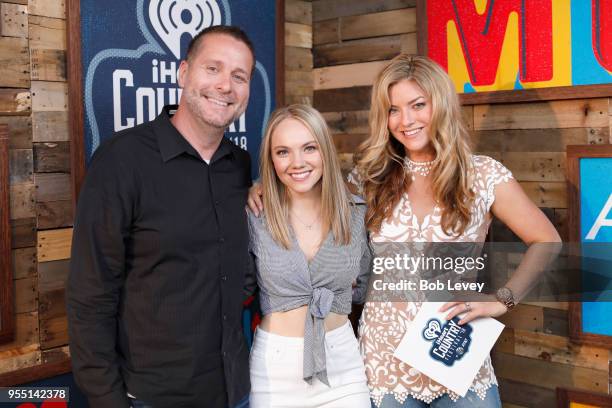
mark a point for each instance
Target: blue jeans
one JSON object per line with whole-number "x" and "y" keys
{"x": 244, "y": 403}
{"x": 471, "y": 400}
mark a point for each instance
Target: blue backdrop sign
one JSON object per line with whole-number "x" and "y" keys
{"x": 131, "y": 52}
{"x": 596, "y": 226}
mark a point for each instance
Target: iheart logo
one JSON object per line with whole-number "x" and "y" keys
{"x": 173, "y": 18}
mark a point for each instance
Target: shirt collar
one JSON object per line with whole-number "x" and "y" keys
{"x": 172, "y": 143}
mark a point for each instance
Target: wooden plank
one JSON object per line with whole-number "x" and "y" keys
{"x": 349, "y": 52}
{"x": 52, "y": 157}
{"x": 547, "y": 374}
{"x": 50, "y": 126}
{"x": 18, "y": 362}
{"x": 48, "y": 65}
{"x": 348, "y": 143}
{"x": 297, "y": 11}
{"x": 53, "y": 332}
{"x": 558, "y": 349}
{"x": 298, "y": 35}
{"x": 14, "y": 62}
{"x": 55, "y": 354}
{"x": 505, "y": 342}
{"x": 467, "y": 113}
{"x": 20, "y": 131}
{"x": 22, "y": 204}
{"x": 291, "y": 99}
{"x": 555, "y": 322}
{"x": 514, "y": 393}
{"x": 52, "y": 304}
{"x": 54, "y": 214}
{"x": 24, "y": 262}
{"x": 24, "y": 2}
{"x": 579, "y": 113}
{"x": 14, "y": 20}
{"x": 26, "y": 336}
{"x": 47, "y": 33}
{"x": 54, "y": 245}
{"x": 347, "y": 122}
{"x": 20, "y": 166}
{"x": 325, "y": 9}
{"x": 52, "y": 187}
{"x": 298, "y": 59}
{"x": 325, "y": 32}
{"x": 409, "y": 43}
{"x": 23, "y": 233}
{"x": 298, "y": 83}
{"x": 343, "y": 99}
{"x": 545, "y": 194}
{"x": 524, "y": 317}
{"x": 49, "y": 96}
{"x": 26, "y": 299}
{"x": 378, "y": 24}
{"x": 346, "y": 76}
{"x": 15, "y": 101}
{"x": 536, "y": 140}
{"x": 53, "y": 275}
{"x": 533, "y": 166}
{"x": 47, "y": 8}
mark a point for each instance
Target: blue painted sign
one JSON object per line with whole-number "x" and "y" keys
{"x": 596, "y": 227}
{"x": 131, "y": 53}
{"x": 450, "y": 342}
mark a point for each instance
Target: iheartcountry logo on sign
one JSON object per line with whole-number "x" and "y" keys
{"x": 131, "y": 58}
{"x": 451, "y": 341}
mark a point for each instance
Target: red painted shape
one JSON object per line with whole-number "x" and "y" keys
{"x": 482, "y": 36}
{"x": 602, "y": 32}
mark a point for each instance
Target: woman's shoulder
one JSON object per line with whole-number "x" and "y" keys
{"x": 488, "y": 167}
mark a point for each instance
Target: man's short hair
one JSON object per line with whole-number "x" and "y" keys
{"x": 233, "y": 31}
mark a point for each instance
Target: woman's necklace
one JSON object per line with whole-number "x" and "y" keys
{"x": 420, "y": 168}
{"x": 306, "y": 225}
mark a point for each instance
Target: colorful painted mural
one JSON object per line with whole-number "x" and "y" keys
{"x": 488, "y": 45}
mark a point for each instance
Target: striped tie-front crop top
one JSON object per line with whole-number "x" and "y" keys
{"x": 287, "y": 281}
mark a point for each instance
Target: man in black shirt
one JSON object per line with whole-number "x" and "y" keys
{"x": 160, "y": 246}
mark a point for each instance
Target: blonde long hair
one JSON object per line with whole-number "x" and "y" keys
{"x": 379, "y": 159}
{"x": 335, "y": 199}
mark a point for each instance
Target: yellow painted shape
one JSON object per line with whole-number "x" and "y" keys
{"x": 577, "y": 405}
{"x": 508, "y": 66}
{"x": 481, "y": 6}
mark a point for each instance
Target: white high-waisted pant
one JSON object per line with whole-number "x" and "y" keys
{"x": 276, "y": 365}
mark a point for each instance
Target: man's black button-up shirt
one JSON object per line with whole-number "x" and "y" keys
{"x": 159, "y": 256}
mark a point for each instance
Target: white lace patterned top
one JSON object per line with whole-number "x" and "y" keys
{"x": 383, "y": 324}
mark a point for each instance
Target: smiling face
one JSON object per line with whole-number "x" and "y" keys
{"x": 296, "y": 157}
{"x": 409, "y": 119}
{"x": 216, "y": 80}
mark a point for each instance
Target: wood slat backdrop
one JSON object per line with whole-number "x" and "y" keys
{"x": 352, "y": 40}
{"x": 33, "y": 103}
{"x": 333, "y": 50}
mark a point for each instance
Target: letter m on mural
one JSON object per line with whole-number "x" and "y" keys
{"x": 521, "y": 44}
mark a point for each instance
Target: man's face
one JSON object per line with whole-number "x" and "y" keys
{"x": 216, "y": 80}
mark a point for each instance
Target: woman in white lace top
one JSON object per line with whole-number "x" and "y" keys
{"x": 421, "y": 183}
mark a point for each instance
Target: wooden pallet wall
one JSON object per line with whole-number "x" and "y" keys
{"x": 352, "y": 40}
{"x": 33, "y": 102}
{"x": 298, "y": 52}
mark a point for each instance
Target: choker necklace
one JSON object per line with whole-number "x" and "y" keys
{"x": 420, "y": 168}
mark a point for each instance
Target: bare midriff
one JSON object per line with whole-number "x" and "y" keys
{"x": 291, "y": 322}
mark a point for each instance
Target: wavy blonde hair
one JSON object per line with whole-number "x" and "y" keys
{"x": 379, "y": 159}
{"x": 335, "y": 198}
